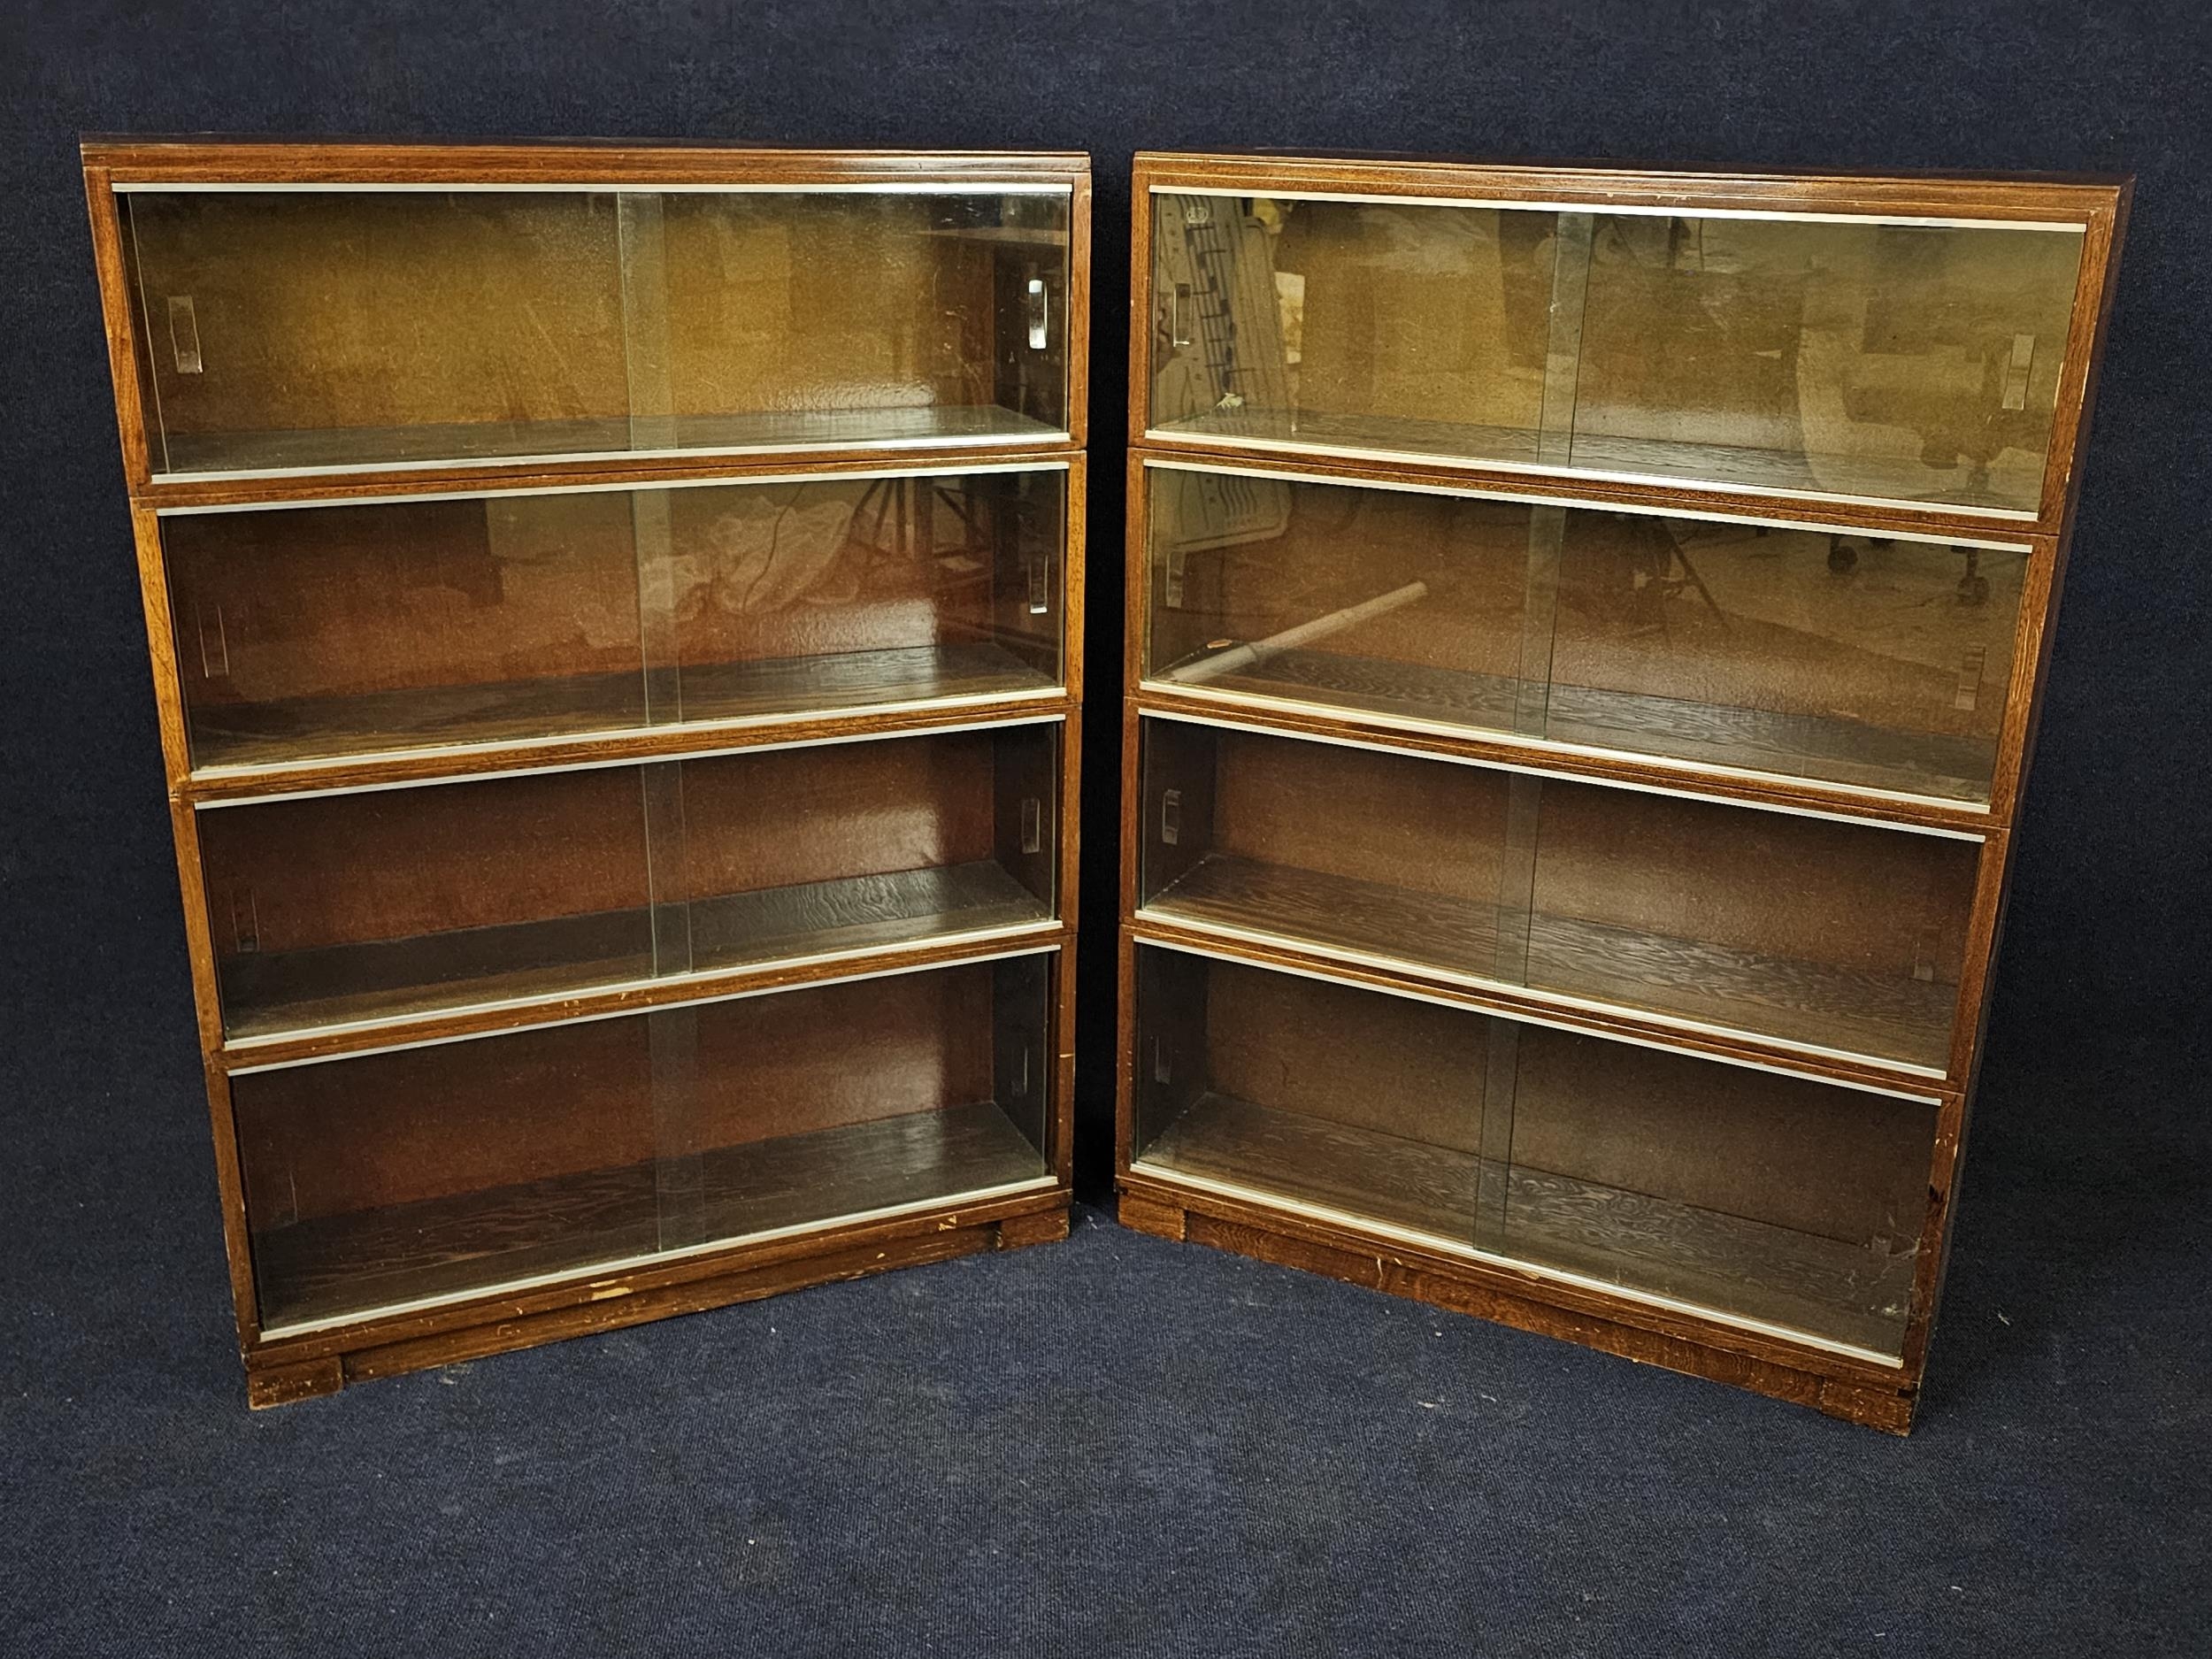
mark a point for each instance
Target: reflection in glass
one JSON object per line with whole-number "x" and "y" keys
{"x": 1808, "y": 931}
{"x": 435, "y": 1172}
{"x": 390, "y": 904}
{"x": 311, "y": 633}
{"x": 1907, "y": 362}
{"x": 1878, "y": 662}
{"x": 1760, "y": 1197}
{"x": 327, "y": 330}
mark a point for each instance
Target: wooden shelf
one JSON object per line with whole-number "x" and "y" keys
{"x": 365, "y": 449}
{"x": 1797, "y": 747}
{"x": 1884, "y": 1017}
{"x": 1824, "y": 1288}
{"x": 273, "y": 996}
{"x": 350, "y": 1266}
{"x": 1731, "y": 467}
{"x": 303, "y": 731}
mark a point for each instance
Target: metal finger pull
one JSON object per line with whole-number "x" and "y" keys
{"x": 214, "y": 642}
{"x": 2017, "y": 371}
{"x": 184, "y": 333}
{"x": 1039, "y": 586}
{"x": 1033, "y": 825}
{"x": 1170, "y": 815}
{"x": 1179, "y": 308}
{"x": 1162, "y": 1070}
{"x": 1040, "y": 315}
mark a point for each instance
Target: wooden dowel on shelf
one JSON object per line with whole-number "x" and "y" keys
{"x": 1289, "y": 639}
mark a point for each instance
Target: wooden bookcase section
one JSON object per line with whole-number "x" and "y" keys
{"x": 616, "y": 620}
{"x": 1585, "y": 632}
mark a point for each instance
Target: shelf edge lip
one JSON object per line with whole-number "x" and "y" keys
{"x": 1339, "y": 968}
{"x": 210, "y": 788}
{"x": 887, "y": 447}
{"x": 586, "y": 1275}
{"x": 632, "y": 997}
{"x": 560, "y": 474}
{"x": 500, "y": 489}
{"x": 1902, "y": 1072}
{"x": 1262, "y": 1199}
{"x": 1545, "y": 757}
{"x": 2027, "y": 521}
{"x": 1169, "y": 456}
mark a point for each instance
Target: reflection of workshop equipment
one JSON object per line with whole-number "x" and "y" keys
{"x": 1649, "y": 550}
{"x": 1259, "y": 650}
{"x": 1192, "y": 512}
{"x": 1973, "y": 589}
{"x": 1217, "y": 326}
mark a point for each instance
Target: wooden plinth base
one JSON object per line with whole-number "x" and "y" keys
{"x": 280, "y": 1374}
{"x": 1648, "y": 1335}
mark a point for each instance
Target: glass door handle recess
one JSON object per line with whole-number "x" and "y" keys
{"x": 1039, "y": 315}
{"x": 1289, "y": 639}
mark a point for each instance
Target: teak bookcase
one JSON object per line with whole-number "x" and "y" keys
{"x": 616, "y": 617}
{"x": 1585, "y": 633}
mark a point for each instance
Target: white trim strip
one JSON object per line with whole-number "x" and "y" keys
{"x": 1665, "y": 481}
{"x": 639, "y": 485}
{"x": 602, "y": 1269}
{"x": 1266, "y": 1199}
{"x": 309, "y": 768}
{"x": 1411, "y": 995}
{"x": 1049, "y": 926}
{"x": 1578, "y": 505}
{"x": 1000, "y": 439}
{"x": 1648, "y": 210}
{"x": 1560, "y": 999}
{"x": 1529, "y": 770}
{"x": 634, "y": 1013}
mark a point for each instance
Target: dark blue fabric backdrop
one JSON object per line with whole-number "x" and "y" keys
{"x": 1121, "y": 1442}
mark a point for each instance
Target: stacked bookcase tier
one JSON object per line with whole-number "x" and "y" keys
{"x": 615, "y": 613}
{"x": 1776, "y": 1200}
{"x": 1889, "y": 358}
{"x": 303, "y": 328}
{"x": 312, "y": 634}
{"x": 389, "y": 1180}
{"x": 1584, "y": 633}
{"x": 1802, "y": 934}
{"x": 1854, "y": 661}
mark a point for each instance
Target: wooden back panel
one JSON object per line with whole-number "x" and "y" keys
{"x": 338, "y": 602}
{"x": 466, "y": 1116}
{"x": 1804, "y": 888}
{"x": 398, "y": 863}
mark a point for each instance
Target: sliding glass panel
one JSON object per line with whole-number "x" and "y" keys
{"x": 431, "y": 1173}
{"x": 323, "y": 330}
{"x": 1370, "y": 1106}
{"x": 1906, "y": 362}
{"x": 1806, "y": 930}
{"x": 1900, "y": 362}
{"x": 1789, "y": 1202}
{"x": 389, "y": 903}
{"x": 1759, "y": 1197}
{"x": 312, "y": 633}
{"x": 1877, "y": 662}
